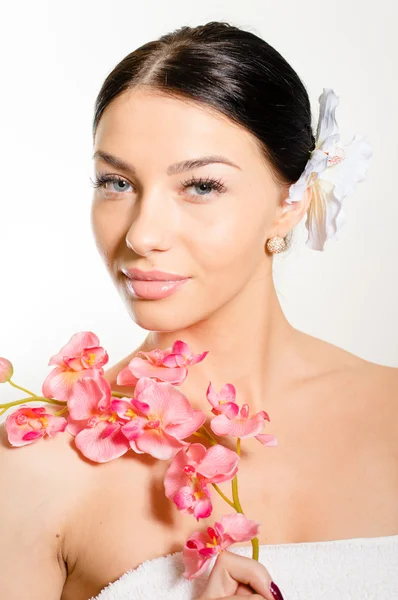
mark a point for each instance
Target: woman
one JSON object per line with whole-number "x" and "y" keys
{"x": 326, "y": 496}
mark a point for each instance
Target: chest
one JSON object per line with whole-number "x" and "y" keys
{"x": 327, "y": 479}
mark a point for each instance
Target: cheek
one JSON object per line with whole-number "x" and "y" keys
{"x": 107, "y": 227}
{"x": 234, "y": 242}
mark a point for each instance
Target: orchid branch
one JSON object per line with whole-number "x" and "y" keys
{"x": 19, "y": 387}
{"x": 8, "y": 405}
{"x": 223, "y": 496}
{"x": 238, "y": 506}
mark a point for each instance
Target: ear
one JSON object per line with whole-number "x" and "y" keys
{"x": 289, "y": 215}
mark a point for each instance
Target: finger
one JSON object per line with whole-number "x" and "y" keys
{"x": 230, "y": 570}
{"x": 251, "y": 596}
{"x": 244, "y": 590}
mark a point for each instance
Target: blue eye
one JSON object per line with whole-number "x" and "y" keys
{"x": 209, "y": 183}
{"x": 207, "y": 186}
{"x": 101, "y": 180}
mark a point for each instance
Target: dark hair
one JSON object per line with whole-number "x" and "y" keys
{"x": 233, "y": 71}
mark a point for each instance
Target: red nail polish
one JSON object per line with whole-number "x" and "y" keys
{"x": 275, "y": 591}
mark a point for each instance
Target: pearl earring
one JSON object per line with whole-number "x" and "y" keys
{"x": 276, "y": 244}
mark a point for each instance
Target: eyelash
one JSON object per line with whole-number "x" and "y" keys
{"x": 215, "y": 184}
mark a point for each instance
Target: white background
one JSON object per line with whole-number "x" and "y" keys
{"x": 54, "y": 58}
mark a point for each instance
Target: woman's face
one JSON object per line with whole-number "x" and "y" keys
{"x": 153, "y": 216}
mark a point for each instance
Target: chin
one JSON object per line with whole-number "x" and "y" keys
{"x": 165, "y": 322}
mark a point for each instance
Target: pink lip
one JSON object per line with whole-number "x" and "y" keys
{"x": 137, "y": 274}
{"x": 154, "y": 290}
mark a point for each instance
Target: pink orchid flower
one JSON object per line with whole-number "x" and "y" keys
{"x": 243, "y": 426}
{"x": 169, "y": 419}
{"x": 6, "y": 370}
{"x": 28, "y": 424}
{"x": 168, "y": 365}
{"x": 93, "y": 420}
{"x": 201, "y": 547}
{"x": 191, "y": 470}
{"x": 79, "y": 358}
{"x": 224, "y": 402}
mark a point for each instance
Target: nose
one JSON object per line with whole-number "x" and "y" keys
{"x": 152, "y": 225}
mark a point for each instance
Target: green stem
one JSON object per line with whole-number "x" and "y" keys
{"x": 238, "y": 446}
{"x": 61, "y": 412}
{"x": 255, "y": 547}
{"x": 208, "y": 435}
{"x": 120, "y": 395}
{"x": 238, "y": 507}
{"x": 35, "y": 399}
{"x": 235, "y": 495}
{"x": 21, "y": 388}
{"x": 223, "y": 496}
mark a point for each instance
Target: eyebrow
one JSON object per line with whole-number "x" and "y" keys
{"x": 179, "y": 167}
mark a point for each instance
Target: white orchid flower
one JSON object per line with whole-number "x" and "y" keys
{"x": 333, "y": 171}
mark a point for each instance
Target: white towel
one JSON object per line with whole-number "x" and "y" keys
{"x": 352, "y": 569}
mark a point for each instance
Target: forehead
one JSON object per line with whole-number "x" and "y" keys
{"x": 142, "y": 124}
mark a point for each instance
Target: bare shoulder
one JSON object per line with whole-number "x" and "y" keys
{"x": 40, "y": 485}
{"x": 43, "y": 477}
{"x": 363, "y": 389}
{"x": 379, "y": 385}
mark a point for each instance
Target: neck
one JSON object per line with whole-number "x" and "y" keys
{"x": 251, "y": 345}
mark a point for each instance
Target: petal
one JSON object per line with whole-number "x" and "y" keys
{"x": 230, "y": 409}
{"x": 184, "y": 430}
{"x": 237, "y": 528}
{"x": 184, "y": 499}
{"x": 212, "y": 395}
{"x": 267, "y": 439}
{"x": 166, "y": 401}
{"x": 141, "y": 407}
{"x": 59, "y": 383}
{"x": 157, "y": 356}
{"x": 120, "y": 406}
{"x": 99, "y": 449}
{"x": 315, "y": 165}
{"x": 90, "y": 395}
{"x": 197, "y": 358}
{"x": 202, "y": 508}
{"x": 134, "y": 429}
{"x": 244, "y": 411}
{"x": 143, "y": 368}
{"x": 57, "y": 425}
{"x": 32, "y": 436}
{"x": 158, "y": 444}
{"x": 74, "y": 426}
{"x": 353, "y": 169}
{"x": 175, "y": 478}
{"x": 241, "y": 428}
{"x": 73, "y": 364}
{"x": 195, "y": 453}
{"x": 327, "y": 134}
{"x": 76, "y": 345}
{"x": 194, "y": 563}
{"x": 125, "y": 377}
{"x": 133, "y": 446}
{"x": 109, "y": 429}
{"x": 94, "y": 357}
{"x": 326, "y": 216}
{"x": 219, "y": 464}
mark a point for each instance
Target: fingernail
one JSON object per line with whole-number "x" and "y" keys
{"x": 275, "y": 591}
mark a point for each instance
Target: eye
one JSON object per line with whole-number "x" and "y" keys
{"x": 102, "y": 180}
{"x": 207, "y": 186}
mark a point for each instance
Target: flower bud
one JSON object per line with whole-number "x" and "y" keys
{"x": 6, "y": 370}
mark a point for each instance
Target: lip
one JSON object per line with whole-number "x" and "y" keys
{"x": 153, "y": 290}
{"x": 155, "y": 275}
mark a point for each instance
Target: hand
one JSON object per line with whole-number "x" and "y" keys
{"x": 234, "y": 576}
